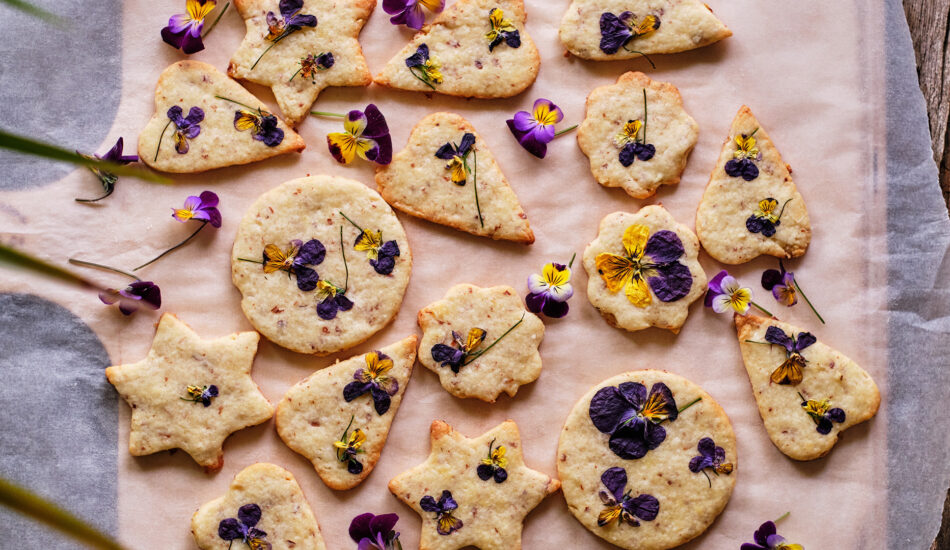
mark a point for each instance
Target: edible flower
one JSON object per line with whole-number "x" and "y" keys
{"x": 409, "y": 12}
{"x": 785, "y": 288}
{"x": 446, "y": 522}
{"x": 632, "y": 145}
{"x": 725, "y": 294}
{"x": 348, "y": 446}
{"x": 466, "y": 350}
{"x": 201, "y": 394}
{"x": 290, "y": 21}
{"x": 108, "y": 179}
{"x": 535, "y": 130}
{"x": 129, "y": 298}
{"x": 622, "y": 507}
{"x": 790, "y": 371}
{"x": 184, "y": 29}
{"x": 295, "y": 260}
{"x": 243, "y": 528}
{"x": 494, "y": 465}
{"x": 617, "y": 31}
{"x": 333, "y": 298}
{"x": 457, "y": 155}
{"x": 372, "y": 532}
{"x": 550, "y": 291}
{"x": 822, "y": 413}
{"x": 744, "y": 158}
{"x": 366, "y": 134}
{"x": 186, "y": 128}
{"x": 711, "y": 457}
{"x": 649, "y": 262}
{"x": 382, "y": 255}
{"x": 766, "y": 538}
{"x": 633, "y": 418}
{"x": 203, "y": 208}
{"x": 263, "y": 126}
{"x": 424, "y": 68}
{"x": 764, "y": 220}
{"x": 502, "y": 30}
{"x": 312, "y": 64}
{"x": 375, "y": 379}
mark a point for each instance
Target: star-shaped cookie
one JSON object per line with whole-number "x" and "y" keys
{"x": 288, "y": 68}
{"x": 190, "y": 393}
{"x": 473, "y": 492}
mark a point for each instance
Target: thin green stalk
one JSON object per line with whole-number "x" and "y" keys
{"x": 215, "y": 24}
{"x": 84, "y": 263}
{"x": 564, "y": 131}
{"x": 29, "y": 8}
{"x": 478, "y": 207}
{"x": 757, "y": 342}
{"x": 160, "y": 137}
{"x": 420, "y": 79}
{"x": 323, "y": 113}
{"x": 644, "y": 115}
{"x": 351, "y": 221}
{"x": 783, "y": 516}
{"x": 690, "y": 404}
{"x": 295, "y": 74}
{"x": 284, "y": 35}
{"x": 807, "y": 301}
{"x": 475, "y": 356}
{"x": 95, "y": 199}
{"x": 572, "y": 260}
{"x": 172, "y": 249}
{"x": 762, "y": 309}
{"x": 238, "y": 103}
{"x": 258, "y": 262}
{"x": 346, "y": 284}
{"x": 645, "y": 56}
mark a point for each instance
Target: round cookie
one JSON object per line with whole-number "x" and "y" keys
{"x": 301, "y": 304}
{"x": 671, "y": 502}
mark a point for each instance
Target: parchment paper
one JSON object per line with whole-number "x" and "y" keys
{"x": 819, "y": 78}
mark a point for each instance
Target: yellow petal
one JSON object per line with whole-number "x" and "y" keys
{"x": 635, "y": 240}
{"x": 475, "y": 337}
{"x": 608, "y": 515}
{"x": 363, "y": 145}
{"x": 345, "y": 143}
{"x": 357, "y": 438}
{"x": 614, "y": 270}
{"x": 197, "y": 11}
{"x": 638, "y": 292}
{"x": 789, "y": 372}
{"x": 459, "y": 173}
{"x": 369, "y": 240}
{"x": 275, "y": 258}
{"x": 553, "y": 277}
{"x": 246, "y": 121}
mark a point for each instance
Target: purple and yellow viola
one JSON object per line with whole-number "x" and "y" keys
{"x": 349, "y": 446}
{"x": 785, "y": 288}
{"x": 710, "y": 457}
{"x": 744, "y": 158}
{"x": 535, "y": 130}
{"x": 766, "y": 538}
{"x": 790, "y": 371}
{"x": 365, "y": 134}
{"x": 243, "y": 528}
{"x": 146, "y": 293}
{"x": 409, "y": 12}
{"x": 650, "y": 262}
{"x": 372, "y": 532}
{"x": 823, "y": 414}
{"x": 200, "y": 394}
{"x": 424, "y": 67}
{"x": 186, "y": 127}
{"x": 632, "y": 417}
{"x": 108, "y": 179}
{"x": 184, "y": 29}
{"x": 375, "y": 380}
{"x": 550, "y": 290}
{"x": 617, "y": 31}
{"x": 446, "y": 523}
{"x": 495, "y": 465}
{"x": 312, "y": 64}
{"x": 619, "y": 505}
{"x": 502, "y": 30}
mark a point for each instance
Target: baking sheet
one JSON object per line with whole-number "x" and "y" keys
{"x": 820, "y": 82}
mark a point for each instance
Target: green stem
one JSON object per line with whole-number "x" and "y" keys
{"x": 351, "y": 221}
{"x": 572, "y": 260}
{"x": 159, "y": 146}
{"x": 762, "y": 309}
{"x": 420, "y": 79}
{"x": 323, "y": 113}
{"x": 690, "y": 404}
{"x": 645, "y": 56}
{"x": 750, "y": 135}
{"x": 258, "y": 262}
{"x": 644, "y": 115}
{"x": 782, "y": 211}
{"x": 807, "y": 301}
{"x": 566, "y": 130}
{"x": 475, "y": 356}
{"x": 709, "y": 479}
{"x": 238, "y": 103}
{"x": 346, "y": 284}
{"x": 84, "y": 263}
{"x": 478, "y": 207}
{"x": 172, "y": 249}
{"x": 284, "y": 35}
{"x": 757, "y": 342}
{"x": 295, "y": 74}
{"x": 109, "y": 193}
{"x": 215, "y": 24}
{"x": 783, "y": 516}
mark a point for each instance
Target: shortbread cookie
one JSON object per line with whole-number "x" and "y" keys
{"x": 637, "y": 134}
{"x": 263, "y": 508}
{"x": 475, "y": 48}
{"x": 644, "y": 270}
{"x": 190, "y": 393}
{"x": 807, "y": 392}
{"x": 623, "y": 29}
{"x": 302, "y": 288}
{"x": 339, "y": 417}
{"x": 473, "y": 492}
{"x": 751, "y": 205}
{"x": 436, "y": 177}
{"x": 205, "y": 120}
{"x": 647, "y": 460}
{"x": 299, "y": 66}
{"x": 481, "y": 341}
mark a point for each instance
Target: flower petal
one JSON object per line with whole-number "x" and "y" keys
{"x": 615, "y": 479}
{"x": 639, "y": 293}
{"x": 360, "y": 527}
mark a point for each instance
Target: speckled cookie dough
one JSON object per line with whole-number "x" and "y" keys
{"x": 458, "y": 330}
{"x": 311, "y": 301}
{"x": 757, "y": 211}
{"x": 190, "y": 393}
{"x": 346, "y": 397}
{"x": 679, "y": 25}
{"x": 460, "y": 61}
{"x": 632, "y": 150}
{"x": 473, "y": 491}
{"x": 294, "y": 68}
{"x": 652, "y": 264}
{"x": 433, "y": 188}
{"x": 679, "y": 484}
{"x": 193, "y": 130}
{"x": 264, "y": 501}
{"x": 803, "y": 419}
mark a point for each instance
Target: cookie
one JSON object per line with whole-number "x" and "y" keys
{"x": 475, "y": 48}
{"x": 473, "y": 491}
{"x": 302, "y": 287}
{"x": 481, "y": 341}
{"x": 643, "y": 270}
{"x": 751, "y": 205}
{"x": 205, "y": 120}
{"x": 263, "y": 508}
{"x": 339, "y": 417}
{"x": 190, "y": 393}
{"x": 300, "y": 65}
{"x": 807, "y": 392}
{"x": 624, "y": 29}
{"x": 447, "y": 175}
{"x": 637, "y": 134}
{"x": 656, "y": 480}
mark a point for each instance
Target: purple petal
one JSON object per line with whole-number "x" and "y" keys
{"x": 615, "y": 479}
{"x": 230, "y": 529}
{"x": 836, "y": 415}
{"x": 355, "y": 389}
{"x": 249, "y": 514}
{"x": 485, "y": 471}
{"x": 697, "y": 463}
{"x": 804, "y": 340}
{"x": 174, "y": 114}
{"x": 535, "y": 302}
{"x": 555, "y": 309}
{"x": 614, "y": 32}
{"x": 672, "y": 282}
{"x": 311, "y": 253}
{"x": 413, "y": 17}
{"x": 446, "y": 152}
{"x": 172, "y": 38}
{"x": 606, "y": 408}
{"x": 824, "y": 426}
{"x": 195, "y": 115}
{"x": 629, "y": 153}
{"x": 327, "y": 309}
{"x": 770, "y": 278}
{"x": 343, "y": 303}
{"x": 446, "y": 502}
{"x": 389, "y": 248}
{"x": 149, "y": 293}
{"x": 383, "y": 264}
{"x": 354, "y": 466}
{"x": 646, "y": 152}
{"x": 302, "y": 20}
{"x": 775, "y": 335}
{"x": 664, "y": 247}
{"x": 467, "y": 141}
{"x": 527, "y": 140}
{"x": 765, "y": 530}
{"x": 381, "y": 400}
{"x": 375, "y": 123}
{"x": 774, "y": 541}
{"x": 306, "y": 278}
{"x": 383, "y": 524}
{"x": 208, "y": 199}
{"x": 290, "y": 7}
{"x": 524, "y": 121}
{"x": 191, "y": 42}
{"x": 634, "y": 392}
{"x": 706, "y": 447}
{"x": 360, "y": 526}
{"x": 628, "y": 443}
{"x": 645, "y": 507}
{"x": 428, "y": 504}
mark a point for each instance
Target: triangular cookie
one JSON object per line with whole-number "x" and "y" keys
{"x": 314, "y": 414}
{"x": 619, "y": 29}
{"x": 751, "y": 205}
{"x": 475, "y": 48}
{"x": 804, "y": 418}
{"x": 288, "y": 68}
{"x": 443, "y": 190}
{"x": 194, "y": 129}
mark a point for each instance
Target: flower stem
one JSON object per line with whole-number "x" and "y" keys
{"x": 109, "y": 192}
{"x": 566, "y": 130}
{"x": 475, "y": 356}
{"x": 572, "y": 260}
{"x": 807, "y": 301}
{"x": 295, "y": 74}
{"x": 644, "y": 115}
{"x": 172, "y": 249}
{"x": 645, "y": 56}
{"x": 420, "y": 79}
{"x": 690, "y": 404}
{"x": 238, "y": 103}
{"x": 346, "y": 284}
{"x": 707, "y": 477}
{"x": 762, "y": 309}
{"x": 757, "y": 342}
{"x": 478, "y": 207}
{"x": 323, "y": 113}
{"x": 84, "y": 263}
{"x": 283, "y": 35}
{"x": 258, "y": 262}
{"x": 159, "y": 146}
{"x": 351, "y": 221}
{"x": 783, "y": 516}
{"x": 215, "y": 24}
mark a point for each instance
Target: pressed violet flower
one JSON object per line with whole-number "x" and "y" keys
{"x": 466, "y": 350}
{"x": 372, "y": 532}
{"x": 348, "y": 446}
{"x": 243, "y": 528}
{"x": 295, "y": 260}
{"x": 186, "y": 128}
{"x": 375, "y": 379}
{"x": 790, "y": 371}
{"x": 711, "y": 457}
{"x": 313, "y": 64}
{"x": 184, "y": 29}
{"x": 725, "y": 294}
{"x": 423, "y": 67}
{"x": 333, "y": 298}
{"x": 108, "y": 179}
{"x": 457, "y": 155}
{"x": 262, "y": 125}
{"x": 203, "y": 208}
{"x": 764, "y": 220}
{"x": 632, "y": 417}
{"x": 550, "y": 291}
{"x": 289, "y": 22}
{"x": 649, "y": 262}
{"x": 785, "y": 288}
{"x": 617, "y": 31}
{"x": 201, "y": 394}
{"x": 409, "y": 12}
{"x": 822, "y": 413}
{"x": 446, "y": 522}
{"x": 535, "y": 130}
{"x": 366, "y": 134}
{"x": 744, "y": 158}
{"x": 619, "y": 505}
{"x": 502, "y": 30}
{"x": 766, "y": 538}
{"x": 632, "y": 139}
{"x": 493, "y": 467}
{"x": 137, "y": 293}
{"x": 382, "y": 255}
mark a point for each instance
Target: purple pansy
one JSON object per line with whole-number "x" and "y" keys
{"x": 372, "y": 532}
{"x": 184, "y": 29}
{"x": 332, "y": 300}
{"x": 782, "y": 284}
{"x": 550, "y": 290}
{"x": 502, "y": 30}
{"x": 262, "y": 125}
{"x": 291, "y": 20}
{"x": 446, "y": 523}
{"x": 108, "y": 179}
{"x": 144, "y": 292}
{"x": 185, "y": 127}
{"x": 616, "y": 31}
{"x": 409, "y": 12}
{"x": 243, "y": 528}
{"x": 375, "y": 379}
{"x": 295, "y": 260}
{"x": 203, "y": 208}
{"x": 766, "y": 538}
{"x": 790, "y": 371}
{"x": 535, "y": 130}
{"x": 710, "y": 456}
{"x": 823, "y": 414}
{"x": 632, "y": 418}
{"x": 622, "y": 507}
{"x": 366, "y": 134}
{"x": 495, "y": 465}
{"x": 632, "y": 139}
{"x": 457, "y": 155}
{"x": 201, "y": 394}
{"x": 744, "y": 158}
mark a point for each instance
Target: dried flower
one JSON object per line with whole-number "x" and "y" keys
{"x": 650, "y": 262}
{"x": 632, "y": 139}
{"x": 446, "y": 522}
{"x": 108, "y": 179}
{"x": 725, "y": 294}
{"x": 185, "y": 128}
{"x": 466, "y": 351}
{"x": 502, "y": 30}
{"x": 201, "y": 394}
{"x": 493, "y": 467}
{"x": 633, "y": 418}
{"x": 535, "y": 130}
{"x": 744, "y": 158}
{"x": 372, "y": 532}
{"x": 366, "y": 134}
{"x": 143, "y": 292}
{"x": 382, "y": 255}
{"x": 785, "y": 288}
{"x": 620, "y": 505}
{"x": 424, "y": 68}
{"x": 790, "y": 371}
{"x": 348, "y": 446}
{"x": 375, "y": 379}
{"x": 243, "y": 528}
{"x": 313, "y": 64}
{"x": 290, "y": 21}
{"x": 711, "y": 457}
{"x": 767, "y": 539}
{"x": 550, "y": 291}
{"x": 263, "y": 126}
{"x": 617, "y": 31}
{"x": 184, "y": 29}
{"x": 822, "y": 413}
{"x": 457, "y": 155}
{"x": 409, "y": 12}
{"x": 203, "y": 208}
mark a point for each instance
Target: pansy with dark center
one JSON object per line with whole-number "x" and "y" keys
{"x": 764, "y": 220}
{"x": 108, "y": 179}
{"x": 409, "y": 12}
{"x": 616, "y": 31}
{"x": 784, "y": 288}
{"x": 535, "y": 130}
{"x": 710, "y": 457}
{"x": 502, "y": 30}
{"x": 742, "y": 163}
{"x": 632, "y": 144}
{"x": 550, "y": 291}
{"x": 289, "y": 22}
{"x": 725, "y": 294}
{"x": 382, "y": 255}
{"x": 201, "y": 394}
{"x": 348, "y": 446}
{"x": 262, "y": 125}
{"x": 294, "y": 260}
{"x": 766, "y": 538}
{"x": 312, "y": 64}
{"x": 184, "y": 29}
{"x": 790, "y": 371}
{"x": 455, "y": 357}
{"x": 333, "y": 298}
{"x": 822, "y": 413}
{"x": 243, "y": 528}
{"x": 375, "y": 379}
{"x": 138, "y": 292}
{"x": 423, "y": 67}
{"x": 494, "y": 465}
{"x": 457, "y": 155}
{"x": 366, "y": 134}
{"x": 632, "y": 417}
{"x": 203, "y": 208}
{"x": 650, "y": 262}
{"x": 620, "y": 506}
{"x": 446, "y": 523}
{"x": 372, "y": 532}
{"x": 186, "y": 128}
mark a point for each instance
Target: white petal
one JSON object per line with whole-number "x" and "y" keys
{"x": 721, "y": 303}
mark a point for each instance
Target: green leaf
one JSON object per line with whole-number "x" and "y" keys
{"x": 15, "y": 258}
{"x": 36, "y": 507}
{"x": 28, "y": 7}
{"x": 30, "y": 146}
